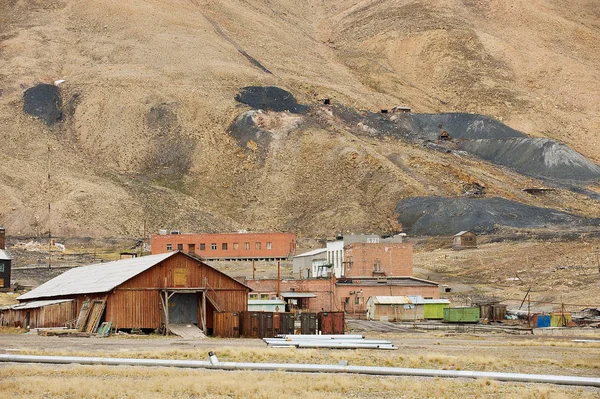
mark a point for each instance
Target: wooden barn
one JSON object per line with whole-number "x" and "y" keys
{"x": 146, "y": 292}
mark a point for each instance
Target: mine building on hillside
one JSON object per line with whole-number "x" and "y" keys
{"x": 5, "y": 263}
{"x": 149, "y": 292}
{"x": 464, "y": 239}
{"x": 230, "y": 247}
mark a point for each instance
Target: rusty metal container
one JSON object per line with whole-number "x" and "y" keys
{"x": 257, "y": 325}
{"x": 331, "y": 322}
{"x": 308, "y": 323}
{"x": 283, "y": 323}
{"x": 226, "y": 324}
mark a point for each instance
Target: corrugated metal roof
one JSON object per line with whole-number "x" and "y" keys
{"x": 461, "y": 233}
{"x": 38, "y": 304}
{"x": 434, "y": 301}
{"x": 395, "y": 281}
{"x": 100, "y": 277}
{"x": 4, "y": 255}
{"x": 266, "y": 302}
{"x": 295, "y": 294}
{"x": 311, "y": 253}
{"x": 398, "y": 300}
{"x": 390, "y": 300}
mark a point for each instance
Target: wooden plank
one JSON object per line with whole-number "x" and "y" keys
{"x": 83, "y": 315}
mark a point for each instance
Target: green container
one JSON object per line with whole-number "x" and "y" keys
{"x": 433, "y": 311}
{"x": 462, "y": 315}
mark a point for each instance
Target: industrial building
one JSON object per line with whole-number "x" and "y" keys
{"x": 148, "y": 292}
{"x": 241, "y": 246}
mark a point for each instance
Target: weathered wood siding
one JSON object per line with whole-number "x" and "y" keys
{"x": 47, "y": 316}
{"x": 137, "y": 302}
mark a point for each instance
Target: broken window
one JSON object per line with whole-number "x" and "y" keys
{"x": 180, "y": 247}
{"x": 257, "y": 245}
{"x": 236, "y": 245}
{"x": 246, "y": 245}
{"x": 269, "y": 245}
{"x": 224, "y": 246}
{"x": 191, "y": 248}
{"x": 202, "y": 246}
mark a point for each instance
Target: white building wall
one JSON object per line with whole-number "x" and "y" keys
{"x": 335, "y": 256}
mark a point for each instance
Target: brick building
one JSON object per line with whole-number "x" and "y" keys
{"x": 347, "y": 294}
{"x": 378, "y": 260}
{"x": 231, "y": 246}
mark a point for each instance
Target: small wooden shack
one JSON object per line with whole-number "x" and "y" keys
{"x": 464, "y": 239}
{"x": 395, "y": 308}
{"x": 146, "y": 292}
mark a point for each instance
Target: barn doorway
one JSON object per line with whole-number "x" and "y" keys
{"x": 183, "y": 308}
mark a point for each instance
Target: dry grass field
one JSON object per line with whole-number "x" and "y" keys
{"x": 432, "y": 350}
{"x": 558, "y": 271}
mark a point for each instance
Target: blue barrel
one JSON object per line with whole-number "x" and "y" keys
{"x": 543, "y": 320}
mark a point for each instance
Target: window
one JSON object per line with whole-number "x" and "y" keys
{"x": 169, "y": 247}
{"x": 180, "y": 247}
{"x": 264, "y": 296}
{"x": 224, "y": 246}
{"x": 377, "y": 265}
{"x": 257, "y": 245}
{"x": 253, "y": 296}
{"x": 1, "y": 268}
{"x": 236, "y": 245}
{"x": 202, "y": 246}
{"x": 246, "y": 245}
{"x": 213, "y": 246}
{"x": 269, "y": 245}
{"x": 191, "y": 248}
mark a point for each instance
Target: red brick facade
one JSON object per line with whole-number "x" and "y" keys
{"x": 342, "y": 296}
{"x": 378, "y": 260}
{"x": 232, "y": 246}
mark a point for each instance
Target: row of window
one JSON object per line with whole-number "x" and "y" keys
{"x": 224, "y": 246}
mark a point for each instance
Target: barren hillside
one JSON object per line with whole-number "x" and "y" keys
{"x": 148, "y": 104}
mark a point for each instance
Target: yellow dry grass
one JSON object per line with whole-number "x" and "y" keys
{"x": 20, "y": 381}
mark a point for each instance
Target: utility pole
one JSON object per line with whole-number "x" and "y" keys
{"x": 49, "y": 226}
{"x": 278, "y": 279}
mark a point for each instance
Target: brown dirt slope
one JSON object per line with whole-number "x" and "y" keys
{"x": 149, "y": 93}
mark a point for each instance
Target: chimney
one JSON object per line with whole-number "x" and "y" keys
{"x": 2, "y": 238}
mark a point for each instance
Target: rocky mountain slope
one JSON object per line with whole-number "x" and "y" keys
{"x": 149, "y": 127}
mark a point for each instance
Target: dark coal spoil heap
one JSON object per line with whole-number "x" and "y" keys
{"x": 459, "y": 126}
{"x": 43, "y": 101}
{"x": 537, "y": 157}
{"x": 270, "y": 98}
{"x": 448, "y": 216}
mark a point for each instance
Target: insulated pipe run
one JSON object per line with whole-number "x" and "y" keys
{"x": 214, "y": 364}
